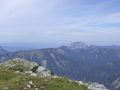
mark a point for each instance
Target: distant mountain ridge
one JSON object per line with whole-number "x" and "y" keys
{"x": 79, "y": 61}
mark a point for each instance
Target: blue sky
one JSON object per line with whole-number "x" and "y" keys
{"x": 60, "y": 21}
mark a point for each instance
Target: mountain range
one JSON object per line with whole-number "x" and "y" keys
{"x": 78, "y": 61}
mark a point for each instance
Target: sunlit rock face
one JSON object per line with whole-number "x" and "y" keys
{"x": 116, "y": 83}
{"x": 27, "y": 67}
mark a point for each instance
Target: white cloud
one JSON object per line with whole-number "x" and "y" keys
{"x": 39, "y": 20}
{"x": 13, "y": 10}
{"x": 111, "y": 18}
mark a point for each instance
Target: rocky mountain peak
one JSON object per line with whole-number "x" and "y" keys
{"x": 26, "y": 67}
{"x": 77, "y": 45}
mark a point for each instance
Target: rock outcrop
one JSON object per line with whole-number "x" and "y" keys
{"x": 26, "y": 67}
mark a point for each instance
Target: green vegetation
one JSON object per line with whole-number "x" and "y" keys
{"x": 19, "y": 65}
{"x": 9, "y": 80}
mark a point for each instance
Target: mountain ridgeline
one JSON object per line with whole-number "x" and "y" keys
{"x": 78, "y": 61}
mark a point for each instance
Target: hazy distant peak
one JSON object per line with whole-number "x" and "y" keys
{"x": 77, "y": 45}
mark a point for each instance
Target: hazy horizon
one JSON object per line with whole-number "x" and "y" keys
{"x": 22, "y": 45}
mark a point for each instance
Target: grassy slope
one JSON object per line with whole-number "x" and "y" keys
{"x": 19, "y": 81}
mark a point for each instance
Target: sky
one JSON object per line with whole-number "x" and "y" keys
{"x": 57, "y": 22}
